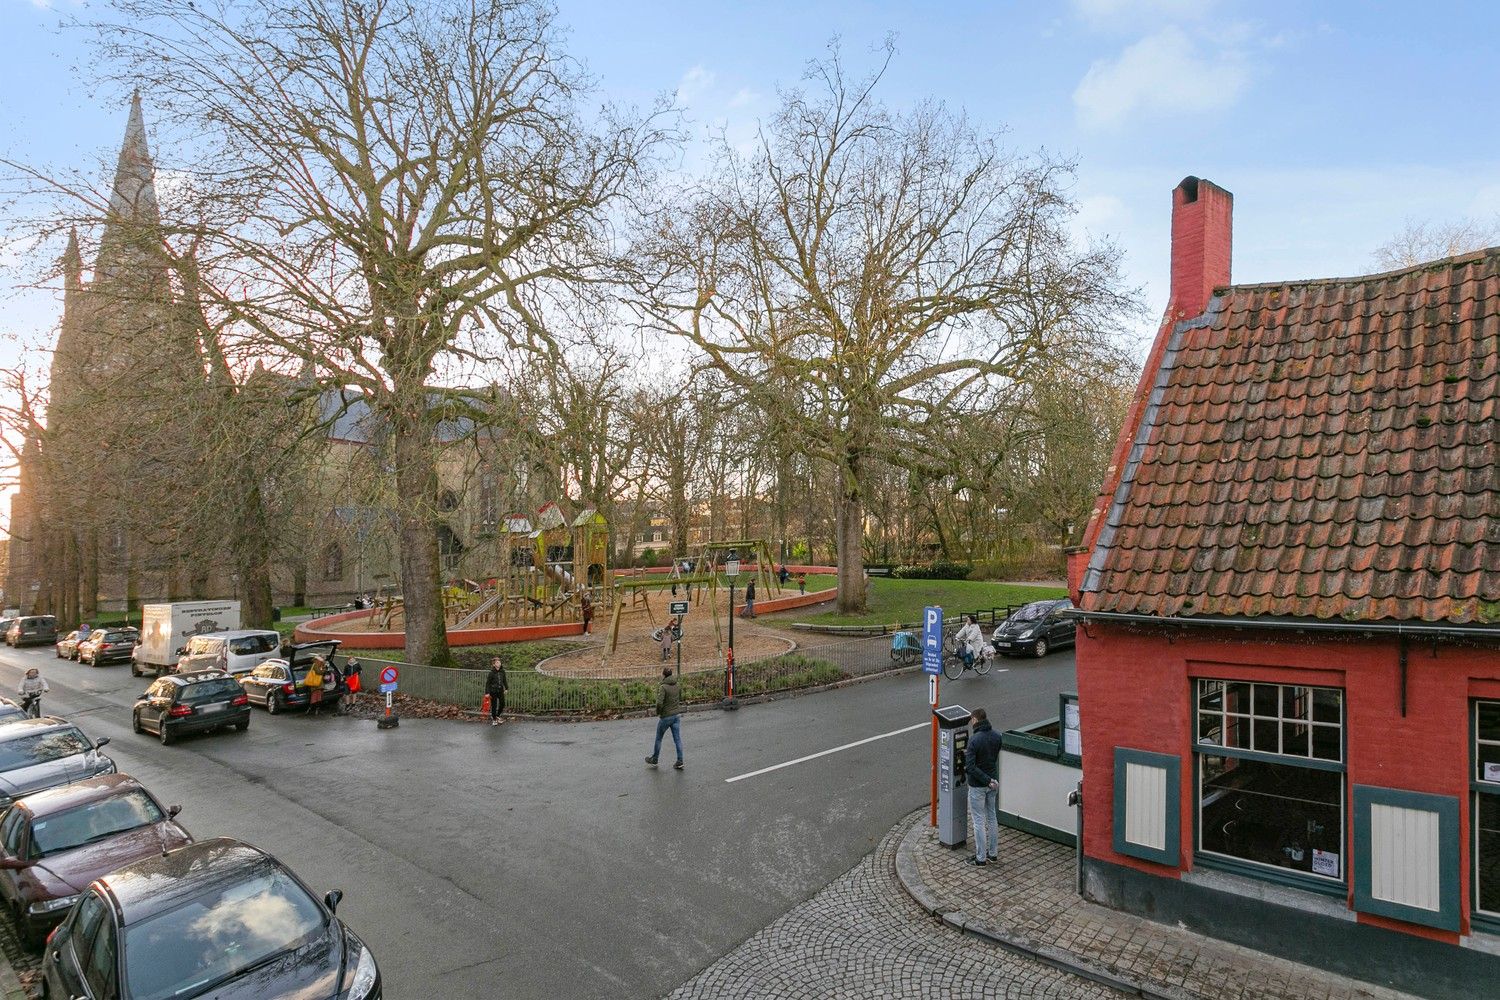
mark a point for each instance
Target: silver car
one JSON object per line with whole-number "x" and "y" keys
{"x": 46, "y": 752}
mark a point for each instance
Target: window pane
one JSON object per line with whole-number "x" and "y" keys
{"x": 1266, "y": 735}
{"x": 1210, "y": 728}
{"x": 1211, "y": 696}
{"x": 1266, "y": 697}
{"x": 1489, "y": 720}
{"x": 1237, "y": 698}
{"x": 1294, "y": 703}
{"x": 1294, "y": 739}
{"x": 1281, "y": 815}
{"x": 1326, "y": 705}
{"x": 1487, "y": 762}
{"x": 1487, "y": 846}
{"x": 1237, "y": 731}
{"x": 1326, "y": 743}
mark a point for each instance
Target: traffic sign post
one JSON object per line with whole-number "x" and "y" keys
{"x": 389, "y": 674}
{"x": 932, "y": 666}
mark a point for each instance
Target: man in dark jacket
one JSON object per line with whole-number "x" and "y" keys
{"x": 668, "y": 716}
{"x": 982, "y": 771}
{"x": 495, "y": 685}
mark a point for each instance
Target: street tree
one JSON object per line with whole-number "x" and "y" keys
{"x": 872, "y": 274}
{"x": 395, "y": 191}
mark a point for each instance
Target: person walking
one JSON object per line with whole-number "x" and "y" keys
{"x": 668, "y": 716}
{"x": 801, "y": 583}
{"x": 586, "y": 607}
{"x": 495, "y": 685}
{"x": 749, "y": 609}
{"x": 314, "y": 684}
{"x": 33, "y": 686}
{"x": 783, "y": 576}
{"x": 982, "y": 772}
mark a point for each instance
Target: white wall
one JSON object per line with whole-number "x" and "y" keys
{"x": 1037, "y": 790}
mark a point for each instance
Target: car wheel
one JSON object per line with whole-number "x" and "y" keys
{"x": 135, "y": 669}
{"x": 1041, "y": 648}
{"x": 135, "y": 722}
{"x": 273, "y": 703}
{"x": 164, "y": 733}
{"x": 241, "y": 727}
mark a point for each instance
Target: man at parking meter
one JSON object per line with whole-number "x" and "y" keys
{"x": 982, "y": 770}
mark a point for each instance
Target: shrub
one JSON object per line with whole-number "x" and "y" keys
{"x": 940, "y": 570}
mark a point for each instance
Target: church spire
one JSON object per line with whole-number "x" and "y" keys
{"x": 72, "y": 264}
{"x": 134, "y": 194}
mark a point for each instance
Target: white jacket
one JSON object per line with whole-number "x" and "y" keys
{"x": 972, "y": 637}
{"x": 33, "y": 685}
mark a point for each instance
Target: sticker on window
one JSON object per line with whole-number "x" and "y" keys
{"x": 1325, "y": 863}
{"x": 1491, "y": 770}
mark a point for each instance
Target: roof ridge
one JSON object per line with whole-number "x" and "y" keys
{"x": 1431, "y": 265}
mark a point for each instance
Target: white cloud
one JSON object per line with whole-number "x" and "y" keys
{"x": 743, "y": 98}
{"x": 694, "y": 84}
{"x": 1111, "y": 13}
{"x": 1166, "y": 73}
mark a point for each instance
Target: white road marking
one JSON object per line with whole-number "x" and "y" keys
{"x": 825, "y": 753}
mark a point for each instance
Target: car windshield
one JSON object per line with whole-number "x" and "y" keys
{"x": 214, "y": 690}
{"x": 186, "y": 950}
{"x": 247, "y": 645}
{"x": 91, "y": 822}
{"x": 1031, "y": 612}
{"x": 25, "y": 751}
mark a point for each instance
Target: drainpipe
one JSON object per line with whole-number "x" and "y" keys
{"x": 1075, "y": 799}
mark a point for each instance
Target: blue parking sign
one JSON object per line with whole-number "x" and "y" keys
{"x": 932, "y": 641}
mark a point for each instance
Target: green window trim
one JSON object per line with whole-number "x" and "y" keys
{"x": 1171, "y": 852}
{"x": 1446, "y": 916}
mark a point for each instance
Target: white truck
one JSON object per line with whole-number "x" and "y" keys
{"x": 166, "y": 629}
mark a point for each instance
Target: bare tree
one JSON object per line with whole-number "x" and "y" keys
{"x": 397, "y": 191}
{"x": 870, "y": 274}
{"x": 1420, "y": 242}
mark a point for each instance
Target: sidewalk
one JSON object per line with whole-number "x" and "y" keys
{"x": 1027, "y": 903}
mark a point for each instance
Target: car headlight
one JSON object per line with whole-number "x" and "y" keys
{"x": 1026, "y": 634}
{"x": 50, "y": 905}
{"x": 365, "y": 975}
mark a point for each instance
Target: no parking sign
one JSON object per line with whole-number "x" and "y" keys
{"x": 388, "y": 677}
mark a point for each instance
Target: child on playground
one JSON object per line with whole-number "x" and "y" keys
{"x": 668, "y": 637}
{"x": 802, "y": 583}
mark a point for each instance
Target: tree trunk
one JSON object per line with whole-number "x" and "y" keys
{"x": 90, "y": 608}
{"x": 421, "y": 576}
{"x": 253, "y": 563}
{"x": 851, "y": 537}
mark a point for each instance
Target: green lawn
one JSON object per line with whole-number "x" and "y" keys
{"x": 902, "y": 601}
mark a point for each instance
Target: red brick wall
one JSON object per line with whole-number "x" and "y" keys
{"x": 1201, "y": 245}
{"x": 1134, "y": 691}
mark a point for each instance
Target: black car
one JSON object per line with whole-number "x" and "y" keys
{"x": 108, "y": 645}
{"x": 44, "y": 753}
{"x": 1035, "y": 629}
{"x": 196, "y": 702}
{"x": 278, "y": 684}
{"x": 217, "y": 919}
{"x": 32, "y": 630}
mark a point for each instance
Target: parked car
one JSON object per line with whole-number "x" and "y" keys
{"x": 32, "y": 630}
{"x": 1035, "y": 629}
{"x": 178, "y": 704}
{"x": 67, "y": 647}
{"x": 108, "y": 645}
{"x": 5, "y": 624}
{"x": 278, "y": 684}
{"x": 46, "y": 752}
{"x": 217, "y": 918}
{"x": 54, "y": 843}
{"x": 11, "y": 711}
{"x": 237, "y": 652}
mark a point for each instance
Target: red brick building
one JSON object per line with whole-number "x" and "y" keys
{"x": 1289, "y": 601}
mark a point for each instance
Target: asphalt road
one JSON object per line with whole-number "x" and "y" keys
{"x": 542, "y": 859}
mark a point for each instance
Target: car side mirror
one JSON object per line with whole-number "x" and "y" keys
{"x": 181, "y": 650}
{"x": 100, "y": 742}
{"x": 332, "y": 900}
{"x": 172, "y": 811}
{"x": 14, "y": 864}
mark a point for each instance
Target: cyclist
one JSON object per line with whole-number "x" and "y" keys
{"x": 970, "y": 640}
{"x": 31, "y": 690}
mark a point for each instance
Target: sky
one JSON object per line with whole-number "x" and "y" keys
{"x": 1333, "y": 123}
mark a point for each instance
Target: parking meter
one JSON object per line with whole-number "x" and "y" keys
{"x": 953, "y": 793}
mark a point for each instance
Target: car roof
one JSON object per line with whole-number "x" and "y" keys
{"x": 330, "y": 643}
{"x": 65, "y": 797}
{"x": 238, "y": 633}
{"x": 30, "y": 727}
{"x": 164, "y": 881}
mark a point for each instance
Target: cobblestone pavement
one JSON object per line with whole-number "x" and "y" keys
{"x": 1029, "y": 902}
{"x": 20, "y": 970}
{"x": 863, "y": 937}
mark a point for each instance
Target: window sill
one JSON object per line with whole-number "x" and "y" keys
{"x": 1329, "y": 900}
{"x": 1484, "y": 934}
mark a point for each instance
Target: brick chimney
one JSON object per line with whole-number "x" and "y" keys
{"x": 1202, "y": 227}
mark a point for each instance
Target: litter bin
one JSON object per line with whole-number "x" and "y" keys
{"x": 953, "y": 792}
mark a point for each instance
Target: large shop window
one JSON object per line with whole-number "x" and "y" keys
{"x": 1487, "y": 808}
{"x": 1271, "y": 776}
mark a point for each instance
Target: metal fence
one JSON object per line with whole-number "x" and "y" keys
{"x": 533, "y": 693}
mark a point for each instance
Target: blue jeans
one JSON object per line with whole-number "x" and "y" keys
{"x": 984, "y": 813}
{"x": 674, "y": 723}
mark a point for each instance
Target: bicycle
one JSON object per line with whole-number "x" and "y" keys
{"x": 955, "y": 663}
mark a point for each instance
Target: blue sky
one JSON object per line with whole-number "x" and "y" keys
{"x": 1333, "y": 123}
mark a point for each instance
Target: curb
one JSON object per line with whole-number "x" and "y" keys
{"x": 1057, "y": 958}
{"x": 10, "y": 983}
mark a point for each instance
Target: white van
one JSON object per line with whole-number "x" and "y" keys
{"x": 236, "y": 652}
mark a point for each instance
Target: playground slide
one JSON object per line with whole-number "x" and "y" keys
{"x": 559, "y": 576}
